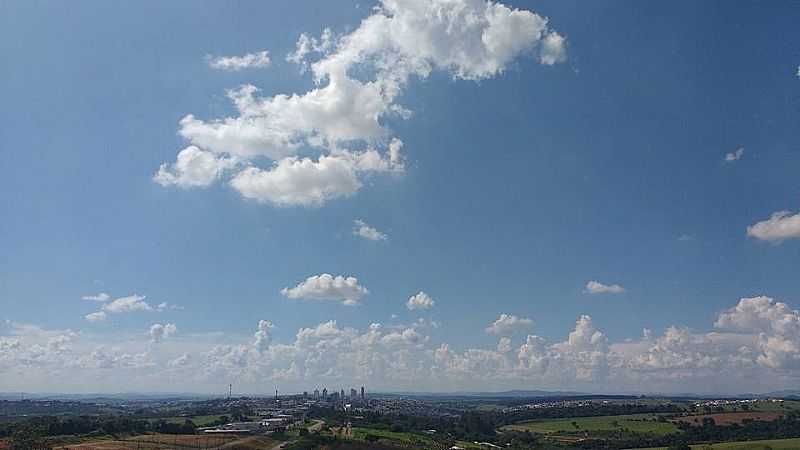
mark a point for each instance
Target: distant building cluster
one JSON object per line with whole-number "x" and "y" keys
{"x": 284, "y": 412}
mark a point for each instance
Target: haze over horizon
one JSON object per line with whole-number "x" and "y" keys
{"x": 410, "y": 195}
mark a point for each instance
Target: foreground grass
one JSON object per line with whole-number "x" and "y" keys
{"x": 637, "y": 423}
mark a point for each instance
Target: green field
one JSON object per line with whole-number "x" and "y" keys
{"x": 637, "y": 423}
{"x": 405, "y": 438}
{"x": 774, "y": 444}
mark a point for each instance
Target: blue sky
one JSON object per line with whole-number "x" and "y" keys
{"x": 591, "y": 147}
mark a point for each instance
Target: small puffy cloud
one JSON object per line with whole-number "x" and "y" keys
{"x": 101, "y": 297}
{"x": 98, "y": 316}
{"x": 131, "y": 303}
{"x": 734, "y": 155}
{"x": 554, "y": 49}
{"x": 362, "y": 229}
{"x": 781, "y": 225}
{"x": 420, "y": 301}
{"x": 164, "y": 306}
{"x": 595, "y": 287}
{"x": 327, "y": 287}
{"x": 508, "y": 323}
{"x": 159, "y": 332}
{"x": 193, "y": 168}
{"x": 257, "y": 60}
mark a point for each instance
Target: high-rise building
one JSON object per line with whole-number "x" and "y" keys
{"x": 342, "y": 395}
{"x": 316, "y": 394}
{"x": 363, "y": 397}
{"x": 324, "y": 393}
{"x": 353, "y": 394}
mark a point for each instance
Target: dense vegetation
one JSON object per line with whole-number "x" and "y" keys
{"x": 593, "y": 410}
{"x": 784, "y": 427}
{"x": 86, "y": 425}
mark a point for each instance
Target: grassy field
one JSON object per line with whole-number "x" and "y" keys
{"x": 405, "y": 438}
{"x": 637, "y": 423}
{"x": 774, "y": 444}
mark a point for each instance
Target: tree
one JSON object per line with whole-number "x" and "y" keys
{"x": 27, "y": 439}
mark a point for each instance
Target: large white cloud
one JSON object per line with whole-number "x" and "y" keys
{"x": 781, "y": 225}
{"x": 328, "y": 287}
{"x": 777, "y": 327}
{"x": 343, "y": 113}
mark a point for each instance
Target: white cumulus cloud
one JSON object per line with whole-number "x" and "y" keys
{"x": 193, "y": 168}
{"x": 781, "y": 225}
{"x": 263, "y": 337}
{"x": 333, "y": 122}
{"x": 420, "y": 301}
{"x": 508, "y": 323}
{"x": 328, "y": 287}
